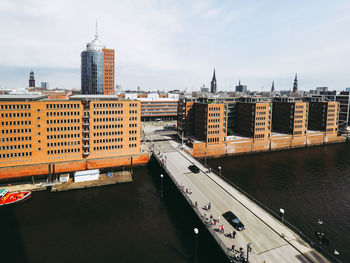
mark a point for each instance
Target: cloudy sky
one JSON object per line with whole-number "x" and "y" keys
{"x": 170, "y": 44}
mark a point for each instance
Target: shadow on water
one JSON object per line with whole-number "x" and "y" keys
{"x": 12, "y": 247}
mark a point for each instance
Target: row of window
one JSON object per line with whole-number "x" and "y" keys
{"x": 259, "y": 136}
{"x": 15, "y": 147}
{"x": 132, "y": 138}
{"x": 7, "y": 123}
{"x": 261, "y": 107}
{"x": 214, "y": 120}
{"x": 65, "y": 143}
{"x": 108, "y": 140}
{"x": 260, "y": 123}
{"x": 213, "y": 132}
{"x": 103, "y": 112}
{"x": 132, "y": 125}
{"x": 132, "y": 111}
{"x": 11, "y": 155}
{"x": 14, "y": 131}
{"x": 15, "y": 114}
{"x": 59, "y": 121}
{"x": 213, "y": 126}
{"x": 299, "y": 107}
{"x": 16, "y": 139}
{"x": 15, "y": 106}
{"x": 111, "y": 126}
{"x": 62, "y": 113}
{"x": 97, "y": 134}
{"x": 108, "y": 147}
{"x": 213, "y": 139}
{"x": 62, "y": 106}
{"x": 63, "y": 136}
{"x": 299, "y": 112}
{"x": 259, "y": 113}
{"x": 216, "y": 114}
{"x": 132, "y": 145}
{"x": 107, "y": 119}
{"x": 214, "y": 108}
{"x": 108, "y": 105}
{"x": 260, "y": 129}
{"x": 132, "y": 104}
{"x": 260, "y": 118}
{"x": 61, "y": 151}
{"x": 65, "y": 128}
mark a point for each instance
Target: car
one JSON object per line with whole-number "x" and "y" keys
{"x": 194, "y": 169}
{"x": 233, "y": 220}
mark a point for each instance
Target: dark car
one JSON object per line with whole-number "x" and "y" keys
{"x": 233, "y": 220}
{"x": 193, "y": 168}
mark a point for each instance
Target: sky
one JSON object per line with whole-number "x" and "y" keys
{"x": 168, "y": 44}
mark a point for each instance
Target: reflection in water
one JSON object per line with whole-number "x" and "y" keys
{"x": 308, "y": 184}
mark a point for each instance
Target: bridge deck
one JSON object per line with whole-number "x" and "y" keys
{"x": 272, "y": 240}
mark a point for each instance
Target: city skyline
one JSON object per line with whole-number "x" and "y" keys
{"x": 256, "y": 43}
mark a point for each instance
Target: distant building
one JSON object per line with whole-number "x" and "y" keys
{"x": 295, "y": 84}
{"x": 204, "y": 89}
{"x": 44, "y": 85}
{"x": 31, "y": 79}
{"x": 347, "y": 89}
{"x": 97, "y": 69}
{"x": 344, "y": 109}
{"x": 323, "y": 116}
{"x": 241, "y": 88}
{"x": 213, "y": 84}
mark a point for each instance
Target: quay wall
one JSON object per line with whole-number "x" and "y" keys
{"x": 249, "y": 145}
{"x": 71, "y": 166}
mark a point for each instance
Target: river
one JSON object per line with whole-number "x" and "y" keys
{"x": 131, "y": 223}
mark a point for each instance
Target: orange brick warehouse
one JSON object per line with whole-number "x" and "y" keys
{"x": 86, "y": 132}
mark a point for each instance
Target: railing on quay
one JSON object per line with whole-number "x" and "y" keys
{"x": 225, "y": 249}
{"x": 274, "y": 214}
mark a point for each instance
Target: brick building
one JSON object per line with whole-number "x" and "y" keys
{"x": 35, "y": 131}
{"x": 323, "y": 116}
{"x": 289, "y": 116}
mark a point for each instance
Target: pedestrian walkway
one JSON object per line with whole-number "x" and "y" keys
{"x": 271, "y": 240}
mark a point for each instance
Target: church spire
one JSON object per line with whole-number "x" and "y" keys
{"x": 295, "y": 85}
{"x": 273, "y": 86}
{"x": 213, "y": 84}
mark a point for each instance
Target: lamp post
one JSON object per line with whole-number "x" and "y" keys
{"x": 219, "y": 170}
{"x": 282, "y": 214}
{"x": 161, "y": 186}
{"x": 320, "y": 221}
{"x": 195, "y": 244}
{"x": 249, "y": 249}
{"x": 205, "y": 158}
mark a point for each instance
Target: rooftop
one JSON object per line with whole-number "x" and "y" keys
{"x": 22, "y": 97}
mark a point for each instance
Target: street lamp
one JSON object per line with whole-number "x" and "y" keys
{"x": 249, "y": 249}
{"x": 161, "y": 186}
{"x": 282, "y": 214}
{"x": 205, "y": 158}
{"x": 195, "y": 244}
{"x": 219, "y": 170}
{"x": 320, "y": 221}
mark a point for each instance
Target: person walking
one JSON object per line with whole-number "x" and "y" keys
{"x": 233, "y": 234}
{"x": 218, "y": 219}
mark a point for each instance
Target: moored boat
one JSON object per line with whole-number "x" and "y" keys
{"x": 7, "y": 197}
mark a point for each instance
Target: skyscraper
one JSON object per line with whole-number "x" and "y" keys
{"x": 97, "y": 68}
{"x": 295, "y": 85}
{"x": 213, "y": 84}
{"x": 31, "y": 79}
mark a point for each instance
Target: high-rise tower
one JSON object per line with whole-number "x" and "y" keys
{"x": 213, "y": 84}
{"x": 295, "y": 85}
{"x": 31, "y": 79}
{"x": 97, "y": 68}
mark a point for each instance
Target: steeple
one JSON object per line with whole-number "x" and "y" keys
{"x": 213, "y": 85}
{"x": 273, "y": 86}
{"x": 31, "y": 79}
{"x": 295, "y": 85}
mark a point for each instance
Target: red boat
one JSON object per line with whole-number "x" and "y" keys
{"x": 7, "y": 198}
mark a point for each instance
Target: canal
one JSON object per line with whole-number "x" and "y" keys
{"x": 130, "y": 223}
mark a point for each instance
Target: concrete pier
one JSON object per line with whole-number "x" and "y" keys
{"x": 272, "y": 241}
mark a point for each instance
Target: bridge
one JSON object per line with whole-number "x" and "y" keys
{"x": 270, "y": 239}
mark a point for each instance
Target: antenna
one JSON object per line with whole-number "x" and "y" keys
{"x": 96, "y": 35}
